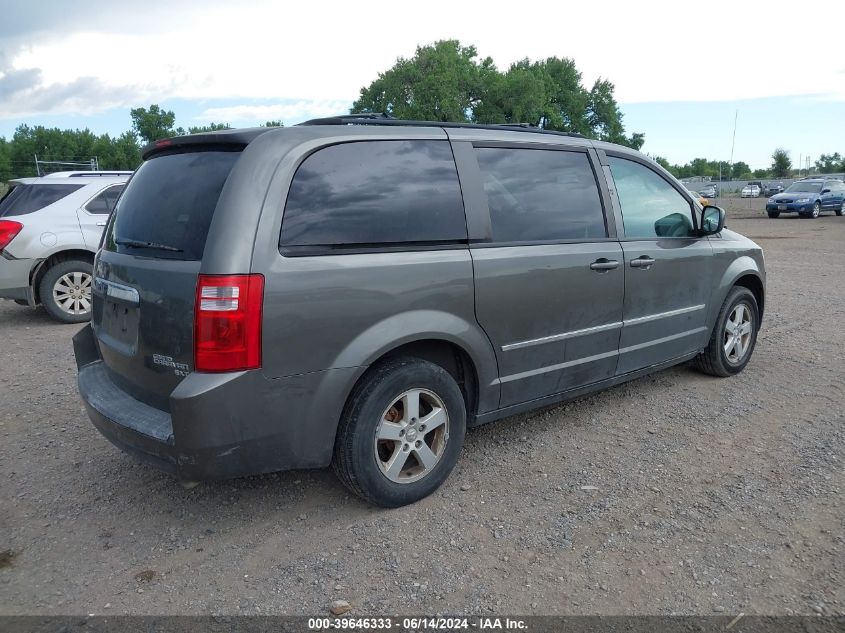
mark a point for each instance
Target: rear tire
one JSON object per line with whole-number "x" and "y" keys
{"x": 731, "y": 346}
{"x": 384, "y": 452}
{"x": 773, "y": 214}
{"x": 65, "y": 291}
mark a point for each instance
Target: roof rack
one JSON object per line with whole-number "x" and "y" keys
{"x": 382, "y": 118}
{"x": 86, "y": 174}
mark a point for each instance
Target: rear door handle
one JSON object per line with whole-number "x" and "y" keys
{"x": 644, "y": 261}
{"x": 603, "y": 264}
{"x": 101, "y": 223}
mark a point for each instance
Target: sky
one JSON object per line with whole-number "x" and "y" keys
{"x": 681, "y": 73}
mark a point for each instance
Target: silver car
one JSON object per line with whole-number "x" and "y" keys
{"x": 50, "y": 229}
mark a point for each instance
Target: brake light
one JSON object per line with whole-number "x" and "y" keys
{"x": 8, "y": 231}
{"x": 227, "y": 322}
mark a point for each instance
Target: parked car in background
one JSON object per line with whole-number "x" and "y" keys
{"x": 50, "y": 228}
{"x": 701, "y": 199}
{"x": 709, "y": 191}
{"x": 358, "y": 291}
{"x": 750, "y": 191}
{"x": 773, "y": 188}
{"x": 809, "y": 197}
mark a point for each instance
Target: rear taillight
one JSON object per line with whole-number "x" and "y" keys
{"x": 8, "y": 231}
{"x": 227, "y": 322}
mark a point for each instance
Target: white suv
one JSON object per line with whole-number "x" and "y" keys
{"x": 50, "y": 229}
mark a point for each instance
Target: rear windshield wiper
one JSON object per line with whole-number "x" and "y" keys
{"x": 140, "y": 244}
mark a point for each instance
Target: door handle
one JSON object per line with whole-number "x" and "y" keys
{"x": 603, "y": 264}
{"x": 644, "y": 261}
{"x": 101, "y": 223}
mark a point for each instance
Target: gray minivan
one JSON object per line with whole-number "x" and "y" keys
{"x": 358, "y": 291}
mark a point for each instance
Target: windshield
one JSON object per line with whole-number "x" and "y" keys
{"x": 23, "y": 199}
{"x": 809, "y": 187}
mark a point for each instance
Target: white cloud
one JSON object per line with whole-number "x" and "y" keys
{"x": 253, "y": 114}
{"x": 302, "y": 58}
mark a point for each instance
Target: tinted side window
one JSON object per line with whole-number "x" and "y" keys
{"x": 375, "y": 193}
{"x": 540, "y": 195}
{"x": 170, "y": 202}
{"x": 651, "y": 207}
{"x": 103, "y": 203}
{"x": 25, "y": 199}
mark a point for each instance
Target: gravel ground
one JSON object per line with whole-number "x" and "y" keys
{"x": 676, "y": 493}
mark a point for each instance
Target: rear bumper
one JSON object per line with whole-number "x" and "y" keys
{"x": 14, "y": 278}
{"x": 219, "y": 426}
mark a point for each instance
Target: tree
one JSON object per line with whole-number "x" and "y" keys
{"x": 153, "y": 123}
{"x": 781, "y": 163}
{"x": 666, "y": 165}
{"x": 441, "y": 82}
{"x": 211, "y": 127}
{"x": 740, "y": 170}
{"x": 274, "y": 124}
{"x": 446, "y": 81}
{"x": 830, "y": 163}
{"x": 761, "y": 173}
{"x": 5, "y": 161}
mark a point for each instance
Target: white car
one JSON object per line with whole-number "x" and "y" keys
{"x": 50, "y": 229}
{"x": 750, "y": 191}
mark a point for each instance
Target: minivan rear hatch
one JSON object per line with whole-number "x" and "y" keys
{"x": 146, "y": 271}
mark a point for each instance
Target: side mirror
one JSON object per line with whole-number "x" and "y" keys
{"x": 825, "y": 190}
{"x": 712, "y": 220}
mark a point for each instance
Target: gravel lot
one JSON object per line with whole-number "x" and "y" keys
{"x": 677, "y": 493}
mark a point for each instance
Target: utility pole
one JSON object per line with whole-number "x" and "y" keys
{"x": 731, "y": 161}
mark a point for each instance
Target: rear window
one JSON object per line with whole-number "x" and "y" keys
{"x": 166, "y": 209}
{"x": 374, "y": 194}
{"x": 23, "y": 199}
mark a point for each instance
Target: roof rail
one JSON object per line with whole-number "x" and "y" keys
{"x": 86, "y": 174}
{"x": 100, "y": 173}
{"x": 382, "y": 118}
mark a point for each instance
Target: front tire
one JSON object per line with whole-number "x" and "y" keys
{"x": 65, "y": 291}
{"x": 401, "y": 432}
{"x": 841, "y": 210}
{"x": 773, "y": 214}
{"x": 734, "y": 335}
{"x": 817, "y": 209}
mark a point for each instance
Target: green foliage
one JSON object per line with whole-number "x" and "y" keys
{"x": 119, "y": 152}
{"x": 761, "y": 173}
{"x": 211, "y": 127}
{"x": 740, "y": 170}
{"x": 441, "y": 82}
{"x": 274, "y": 124}
{"x": 781, "y": 163}
{"x": 830, "y": 163}
{"x": 153, "y": 123}
{"x": 446, "y": 81}
{"x": 665, "y": 164}
{"x": 5, "y": 161}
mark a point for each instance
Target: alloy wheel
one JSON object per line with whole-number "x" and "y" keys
{"x": 411, "y": 436}
{"x": 72, "y": 293}
{"x": 738, "y": 331}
